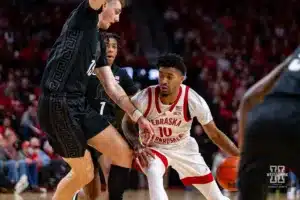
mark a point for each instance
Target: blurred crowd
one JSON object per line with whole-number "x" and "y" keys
{"x": 227, "y": 46}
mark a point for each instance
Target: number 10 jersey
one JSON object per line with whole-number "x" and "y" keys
{"x": 172, "y": 123}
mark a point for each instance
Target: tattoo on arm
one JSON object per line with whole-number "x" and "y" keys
{"x": 121, "y": 98}
{"x": 114, "y": 90}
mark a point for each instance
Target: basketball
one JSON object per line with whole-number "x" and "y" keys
{"x": 227, "y": 173}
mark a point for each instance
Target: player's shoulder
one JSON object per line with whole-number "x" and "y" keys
{"x": 82, "y": 17}
{"x": 152, "y": 87}
{"x": 194, "y": 99}
{"x": 189, "y": 91}
{"x": 145, "y": 93}
{"x": 149, "y": 89}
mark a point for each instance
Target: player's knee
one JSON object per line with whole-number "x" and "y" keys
{"x": 84, "y": 170}
{"x": 90, "y": 175}
{"x": 85, "y": 175}
{"x": 123, "y": 157}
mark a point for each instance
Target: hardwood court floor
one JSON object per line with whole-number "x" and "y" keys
{"x": 131, "y": 195}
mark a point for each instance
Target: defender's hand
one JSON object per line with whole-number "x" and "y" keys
{"x": 142, "y": 156}
{"x": 146, "y": 128}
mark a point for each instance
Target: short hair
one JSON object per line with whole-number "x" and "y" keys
{"x": 106, "y": 36}
{"x": 172, "y": 60}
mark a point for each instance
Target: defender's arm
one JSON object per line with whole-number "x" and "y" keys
{"x": 131, "y": 132}
{"x": 142, "y": 154}
{"x": 116, "y": 92}
{"x": 255, "y": 95}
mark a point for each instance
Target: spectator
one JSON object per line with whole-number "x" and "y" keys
{"x": 31, "y": 168}
{"x": 40, "y": 158}
{"x": 51, "y": 174}
{"x": 29, "y": 123}
{"x": 8, "y": 151}
{"x": 38, "y": 155}
{"x": 17, "y": 173}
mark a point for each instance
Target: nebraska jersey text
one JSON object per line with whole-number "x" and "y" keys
{"x": 172, "y": 123}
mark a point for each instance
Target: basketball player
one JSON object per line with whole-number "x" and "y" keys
{"x": 62, "y": 112}
{"x": 171, "y": 106}
{"x": 269, "y": 134}
{"x": 103, "y": 105}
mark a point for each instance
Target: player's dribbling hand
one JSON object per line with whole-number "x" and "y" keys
{"x": 142, "y": 156}
{"x": 147, "y": 127}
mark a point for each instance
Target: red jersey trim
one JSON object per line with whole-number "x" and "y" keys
{"x": 157, "y": 99}
{"x": 149, "y": 102}
{"x": 187, "y": 118}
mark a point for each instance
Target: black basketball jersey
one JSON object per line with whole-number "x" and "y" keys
{"x": 72, "y": 53}
{"x": 288, "y": 84}
{"x": 101, "y": 102}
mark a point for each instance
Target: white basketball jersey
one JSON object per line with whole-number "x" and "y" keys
{"x": 172, "y": 123}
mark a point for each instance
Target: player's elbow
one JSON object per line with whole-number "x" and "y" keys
{"x": 110, "y": 87}
{"x": 249, "y": 100}
{"x": 245, "y": 100}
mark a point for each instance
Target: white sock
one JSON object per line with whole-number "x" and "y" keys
{"x": 210, "y": 191}
{"x": 155, "y": 173}
{"x": 156, "y": 187}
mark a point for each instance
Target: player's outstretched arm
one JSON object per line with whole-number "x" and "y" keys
{"x": 114, "y": 90}
{"x": 118, "y": 95}
{"x": 220, "y": 139}
{"x": 96, "y": 4}
{"x": 199, "y": 108}
{"x": 131, "y": 133}
{"x": 255, "y": 94}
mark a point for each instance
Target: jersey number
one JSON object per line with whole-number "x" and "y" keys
{"x": 163, "y": 131}
{"x": 102, "y": 105}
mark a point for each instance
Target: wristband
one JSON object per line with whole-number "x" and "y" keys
{"x": 136, "y": 115}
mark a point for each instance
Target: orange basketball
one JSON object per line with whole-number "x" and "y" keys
{"x": 227, "y": 173}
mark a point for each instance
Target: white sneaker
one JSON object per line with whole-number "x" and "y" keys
{"x": 22, "y": 184}
{"x": 298, "y": 194}
{"x": 225, "y": 198}
{"x": 226, "y": 193}
{"x": 18, "y": 197}
{"x": 291, "y": 194}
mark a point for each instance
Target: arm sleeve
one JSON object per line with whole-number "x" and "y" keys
{"x": 127, "y": 83}
{"x": 199, "y": 108}
{"x": 140, "y": 100}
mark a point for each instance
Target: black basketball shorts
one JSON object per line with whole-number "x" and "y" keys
{"x": 272, "y": 139}
{"x": 68, "y": 123}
